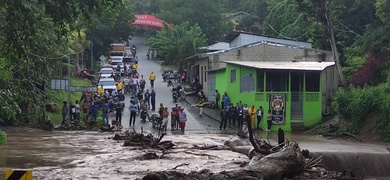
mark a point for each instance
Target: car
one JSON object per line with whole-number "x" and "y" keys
{"x": 128, "y": 53}
{"x": 106, "y": 72}
{"x": 108, "y": 85}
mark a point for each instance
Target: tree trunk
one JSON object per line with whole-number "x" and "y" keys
{"x": 329, "y": 28}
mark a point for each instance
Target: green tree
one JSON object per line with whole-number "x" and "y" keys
{"x": 207, "y": 14}
{"x": 177, "y": 43}
{"x": 31, "y": 31}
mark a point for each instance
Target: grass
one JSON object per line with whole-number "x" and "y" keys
{"x": 58, "y": 96}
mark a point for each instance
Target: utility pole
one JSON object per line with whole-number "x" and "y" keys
{"x": 91, "y": 56}
{"x": 69, "y": 100}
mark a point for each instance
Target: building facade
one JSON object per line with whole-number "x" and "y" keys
{"x": 272, "y": 75}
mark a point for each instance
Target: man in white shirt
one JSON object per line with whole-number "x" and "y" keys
{"x": 135, "y": 85}
{"x": 126, "y": 82}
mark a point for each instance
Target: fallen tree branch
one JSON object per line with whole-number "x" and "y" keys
{"x": 202, "y": 154}
{"x": 253, "y": 142}
{"x": 180, "y": 165}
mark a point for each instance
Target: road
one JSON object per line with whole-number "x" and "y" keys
{"x": 163, "y": 95}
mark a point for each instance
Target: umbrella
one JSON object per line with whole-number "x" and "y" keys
{"x": 149, "y": 20}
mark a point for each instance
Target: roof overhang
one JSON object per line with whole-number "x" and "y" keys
{"x": 218, "y": 69}
{"x": 284, "y": 65}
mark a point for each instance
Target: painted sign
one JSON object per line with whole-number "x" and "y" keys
{"x": 277, "y": 105}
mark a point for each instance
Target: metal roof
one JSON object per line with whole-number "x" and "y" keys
{"x": 284, "y": 65}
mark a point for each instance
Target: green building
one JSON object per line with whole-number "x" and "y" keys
{"x": 296, "y": 83}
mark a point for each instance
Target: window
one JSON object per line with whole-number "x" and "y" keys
{"x": 233, "y": 76}
{"x": 313, "y": 81}
{"x": 260, "y": 81}
{"x": 277, "y": 81}
{"x": 247, "y": 83}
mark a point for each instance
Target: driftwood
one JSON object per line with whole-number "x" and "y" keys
{"x": 209, "y": 147}
{"x": 283, "y": 163}
{"x": 132, "y": 138}
{"x": 180, "y": 165}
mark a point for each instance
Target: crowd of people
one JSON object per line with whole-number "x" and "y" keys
{"x": 237, "y": 115}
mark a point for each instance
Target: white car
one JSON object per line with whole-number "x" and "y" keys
{"x": 106, "y": 72}
{"x": 108, "y": 85}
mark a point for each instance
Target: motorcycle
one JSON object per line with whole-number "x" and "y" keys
{"x": 178, "y": 94}
{"x": 169, "y": 83}
{"x": 144, "y": 115}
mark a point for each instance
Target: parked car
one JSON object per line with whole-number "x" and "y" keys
{"x": 108, "y": 85}
{"x": 106, "y": 72}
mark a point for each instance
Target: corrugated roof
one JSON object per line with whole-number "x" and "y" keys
{"x": 284, "y": 65}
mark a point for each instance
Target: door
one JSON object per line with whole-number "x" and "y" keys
{"x": 211, "y": 82}
{"x": 297, "y": 95}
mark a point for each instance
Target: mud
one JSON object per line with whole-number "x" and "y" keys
{"x": 93, "y": 155}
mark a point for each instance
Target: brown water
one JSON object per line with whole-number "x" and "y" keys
{"x": 92, "y": 155}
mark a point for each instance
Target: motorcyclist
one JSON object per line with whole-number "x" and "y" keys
{"x": 142, "y": 83}
{"x": 118, "y": 68}
{"x": 176, "y": 90}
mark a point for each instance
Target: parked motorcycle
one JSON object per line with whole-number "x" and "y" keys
{"x": 169, "y": 83}
{"x": 178, "y": 94}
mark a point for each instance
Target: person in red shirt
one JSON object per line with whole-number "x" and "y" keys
{"x": 85, "y": 111}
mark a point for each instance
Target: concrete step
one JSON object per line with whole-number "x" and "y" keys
{"x": 297, "y": 126}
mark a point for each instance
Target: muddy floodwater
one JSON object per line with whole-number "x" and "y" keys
{"x": 93, "y": 155}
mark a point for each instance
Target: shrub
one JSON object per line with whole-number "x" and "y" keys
{"x": 356, "y": 103}
{"x": 3, "y": 137}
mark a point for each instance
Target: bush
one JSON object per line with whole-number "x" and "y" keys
{"x": 3, "y": 137}
{"x": 356, "y": 103}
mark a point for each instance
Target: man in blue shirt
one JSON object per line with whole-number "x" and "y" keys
{"x": 133, "y": 108}
{"x": 94, "y": 110}
{"x": 147, "y": 97}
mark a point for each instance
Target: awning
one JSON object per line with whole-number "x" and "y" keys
{"x": 149, "y": 20}
{"x": 284, "y": 65}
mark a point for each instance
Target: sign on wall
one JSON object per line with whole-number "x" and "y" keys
{"x": 277, "y": 105}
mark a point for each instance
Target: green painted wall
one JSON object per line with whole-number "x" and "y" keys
{"x": 311, "y": 103}
{"x": 221, "y": 81}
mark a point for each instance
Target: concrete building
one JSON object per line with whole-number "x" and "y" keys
{"x": 305, "y": 78}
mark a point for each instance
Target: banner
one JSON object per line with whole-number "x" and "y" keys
{"x": 277, "y": 105}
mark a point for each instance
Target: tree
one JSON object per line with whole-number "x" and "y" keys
{"x": 177, "y": 43}
{"x": 207, "y": 14}
{"x": 319, "y": 9}
{"x": 34, "y": 36}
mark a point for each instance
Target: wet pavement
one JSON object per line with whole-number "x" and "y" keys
{"x": 94, "y": 155}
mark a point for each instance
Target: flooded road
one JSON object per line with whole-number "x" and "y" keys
{"x": 93, "y": 155}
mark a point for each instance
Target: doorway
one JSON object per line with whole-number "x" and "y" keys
{"x": 297, "y": 95}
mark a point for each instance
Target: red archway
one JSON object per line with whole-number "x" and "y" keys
{"x": 150, "y": 21}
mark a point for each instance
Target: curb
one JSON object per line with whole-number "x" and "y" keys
{"x": 204, "y": 112}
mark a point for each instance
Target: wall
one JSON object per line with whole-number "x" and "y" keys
{"x": 244, "y": 39}
{"x": 268, "y": 52}
{"x": 249, "y": 98}
{"x": 211, "y": 84}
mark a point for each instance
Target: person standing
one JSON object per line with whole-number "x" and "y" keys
{"x": 200, "y": 105}
{"x": 153, "y": 100}
{"x": 223, "y": 99}
{"x": 105, "y": 111}
{"x": 269, "y": 120}
{"x": 182, "y": 120}
{"x": 152, "y": 77}
{"x": 133, "y": 108}
{"x": 252, "y": 113}
{"x": 135, "y": 85}
{"x": 226, "y": 101}
{"x": 93, "y": 108}
{"x": 217, "y": 98}
{"x": 223, "y": 115}
{"x": 259, "y": 116}
{"x": 65, "y": 111}
{"x": 173, "y": 118}
{"x": 118, "y": 112}
{"x": 240, "y": 116}
{"x": 147, "y": 97}
{"x": 165, "y": 116}
{"x": 126, "y": 83}
{"x": 72, "y": 111}
{"x": 85, "y": 111}
{"x": 100, "y": 90}
{"x": 77, "y": 111}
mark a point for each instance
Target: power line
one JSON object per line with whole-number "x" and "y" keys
{"x": 286, "y": 37}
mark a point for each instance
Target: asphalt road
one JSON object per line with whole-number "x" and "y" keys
{"x": 194, "y": 123}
